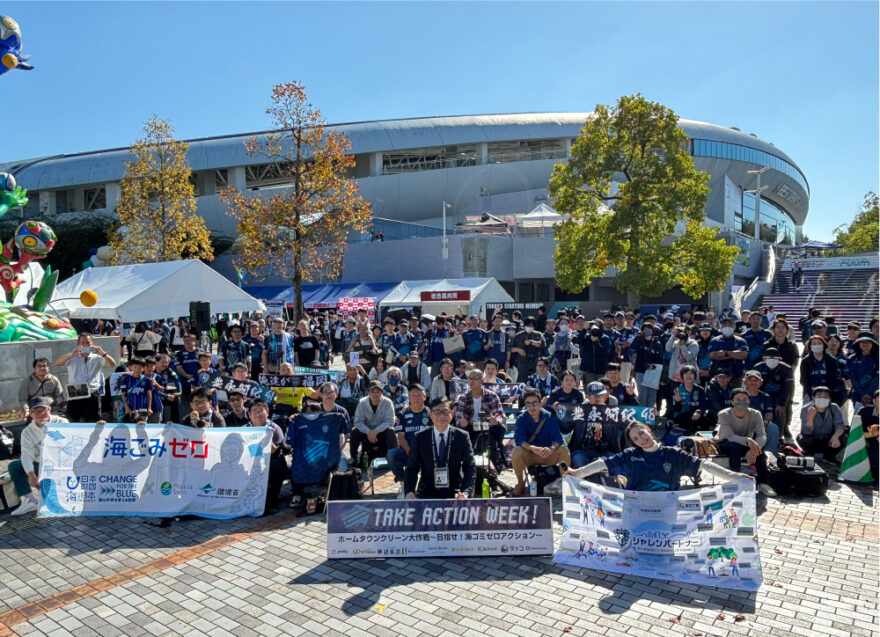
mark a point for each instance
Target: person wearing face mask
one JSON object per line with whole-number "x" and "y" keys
{"x": 648, "y": 353}
{"x": 529, "y": 344}
{"x": 822, "y": 426}
{"x": 778, "y": 384}
{"x": 649, "y": 466}
{"x": 595, "y": 353}
{"x": 395, "y": 390}
{"x": 729, "y": 351}
{"x": 818, "y": 369}
{"x": 742, "y": 434}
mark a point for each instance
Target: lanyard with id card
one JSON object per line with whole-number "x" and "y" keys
{"x": 441, "y": 474}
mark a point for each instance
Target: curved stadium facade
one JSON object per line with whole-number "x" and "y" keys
{"x": 410, "y": 169}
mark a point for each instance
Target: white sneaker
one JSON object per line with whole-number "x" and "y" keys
{"x": 767, "y": 490}
{"x": 27, "y": 505}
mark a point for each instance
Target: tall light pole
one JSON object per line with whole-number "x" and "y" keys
{"x": 445, "y": 244}
{"x": 758, "y": 189}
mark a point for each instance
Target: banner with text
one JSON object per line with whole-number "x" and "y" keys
{"x": 702, "y": 536}
{"x": 439, "y": 528}
{"x": 154, "y": 470}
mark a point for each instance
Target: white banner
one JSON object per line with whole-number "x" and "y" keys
{"x": 154, "y": 470}
{"x": 701, "y": 536}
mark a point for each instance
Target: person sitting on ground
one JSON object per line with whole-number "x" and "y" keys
{"x": 480, "y": 404}
{"x": 762, "y": 403}
{"x": 443, "y": 384}
{"x": 822, "y": 426}
{"x": 42, "y": 383}
{"x": 258, "y": 416}
{"x": 742, "y": 433}
{"x": 374, "y": 420}
{"x": 415, "y": 372}
{"x": 441, "y": 459}
{"x": 689, "y": 402}
{"x": 538, "y": 440}
{"x": 598, "y": 394}
{"x": 871, "y": 429}
{"x": 202, "y": 414}
{"x": 395, "y": 390}
{"x": 649, "y": 466}
{"x": 412, "y": 420}
{"x": 568, "y": 394}
{"x": 25, "y": 473}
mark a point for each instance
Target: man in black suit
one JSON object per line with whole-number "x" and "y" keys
{"x": 443, "y": 456}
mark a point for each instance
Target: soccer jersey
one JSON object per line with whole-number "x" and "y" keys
{"x": 409, "y": 424}
{"x": 135, "y": 390}
{"x": 661, "y": 470}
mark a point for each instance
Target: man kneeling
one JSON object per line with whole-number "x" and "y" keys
{"x": 538, "y": 440}
{"x": 443, "y": 456}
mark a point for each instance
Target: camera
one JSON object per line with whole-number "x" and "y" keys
{"x": 800, "y": 462}
{"x": 87, "y": 350}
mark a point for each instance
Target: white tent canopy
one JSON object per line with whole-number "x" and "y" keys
{"x": 481, "y": 291}
{"x": 543, "y": 215}
{"x": 147, "y": 291}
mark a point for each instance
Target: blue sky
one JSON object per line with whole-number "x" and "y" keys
{"x": 801, "y": 75}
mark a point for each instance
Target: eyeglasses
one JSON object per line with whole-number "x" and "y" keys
{"x": 441, "y": 412}
{"x": 531, "y": 403}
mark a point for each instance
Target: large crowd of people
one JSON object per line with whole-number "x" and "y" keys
{"x": 697, "y": 371}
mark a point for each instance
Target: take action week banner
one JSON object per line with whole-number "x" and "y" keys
{"x": 439, "y": 528}
{"x": 704, "y": 536}
{"x": 154, "y": 470}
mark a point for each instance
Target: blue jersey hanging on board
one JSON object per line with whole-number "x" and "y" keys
{"x": 315, "y": 442}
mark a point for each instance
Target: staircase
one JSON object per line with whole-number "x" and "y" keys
{"x": 842, "y": 287}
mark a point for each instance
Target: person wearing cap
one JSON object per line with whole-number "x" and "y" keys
{"x": 822, "y": 427}
{"x": 416, "y": 372}
{"x": 278, "y": 347}
{"x": 728, "y": 350}
{"x": 538, "y": 440}
{"x": 595, "y": 352}
{"x": 718, "y": 394}
{"x": 25, "y": 472}
{"x": 349, "y": 334}
{"x": 410, "y": 421}
{"x": 648, "y": 352}
{"x": 762, "y": 403}
{"x": 597, "y": 393}
{"x": 434, "y": 350}
{"x": 755, "y": 338}
{"x": 853, "y": 330}
{"x": 818, "y": 369}
{"x": 778, "y": 383}
{"x": 741, "y": 434}
{"x": 596, "y": 438}
{"x": 861, "y": 369}
{"x": 374, "y": 420}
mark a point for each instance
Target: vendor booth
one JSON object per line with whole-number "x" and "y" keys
{"x": 147, "y": 291}
{"x": 446, "y": 296}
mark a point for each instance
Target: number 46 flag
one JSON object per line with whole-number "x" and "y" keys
{"x": 855, "y": 466}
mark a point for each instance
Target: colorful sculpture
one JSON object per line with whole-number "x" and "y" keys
{"x": 34, "y": 240}
{"x": 10, "y": 46}
{"x": 11, "y": 196}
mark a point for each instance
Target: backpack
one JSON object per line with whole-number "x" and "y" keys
{"x": 345, "y": 485}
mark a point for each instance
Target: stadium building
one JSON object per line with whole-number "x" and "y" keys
{"x": 414, "y": 170}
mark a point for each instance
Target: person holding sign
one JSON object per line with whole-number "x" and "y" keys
{"x": 538, "y": 440}
{"x": 443, "y": 458}
{"x": 649, "y": 466}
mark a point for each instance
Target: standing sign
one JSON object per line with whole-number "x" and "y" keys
{"x": 439, "y": 528}
{"x": 349, "y": 306}
{"x": 154, "y": 470}
{"x": 702, "y": 536}
{"x": 275, "y": 308}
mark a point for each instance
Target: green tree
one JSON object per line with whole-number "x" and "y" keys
{"x": 628, "y": 183}
{"x": 157, "y": 205}
{"x": 860, "y": 236}
{"x": 299, "y": 231}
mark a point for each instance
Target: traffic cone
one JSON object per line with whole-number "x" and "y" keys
{"x": 855, "y": 466}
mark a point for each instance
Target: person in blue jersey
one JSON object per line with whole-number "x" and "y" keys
{"x": 235, "y": 350}
{"x": 497, "y": 344}
{"x": 704, "y": 362}
{"x": 567, "y": 394}
{"x": 623, "y": 346}
{"x": 137, "y": 391}
{"x": 410, "y": 421}
{"x": 434, "y": 352}
{"x": 689, "y": 403}
{"x": 187, "y": 361}
{"x": 403, "y": 343}
{"x": 474, "y": 342}
{"x": 169, "y": 388}
{"x": 649, "y": 466}
{"x": 861, "y": 369}
{"x": 778, "y": 383}
{"x": 542, "y": 380}
{"x": 624, "y": 393}
{"x": 256, "y": 345}
{"x": 755, "y": 338}
{"x": 157, "y": 388}
{"x": 729, "y": 351}
{"x": 817, "y": 368}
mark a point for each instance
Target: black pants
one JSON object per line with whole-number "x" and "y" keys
{"x": 83, "y": 409}
{"x": 735, "y": 454}
{"x": 386, "y": 440}
{"x": 278, "y": 473}
{"x": 812, "y": 445}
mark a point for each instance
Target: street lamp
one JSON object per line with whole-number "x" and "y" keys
{"x": 445, "y": 244}
{"x": 758, "y": 190}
